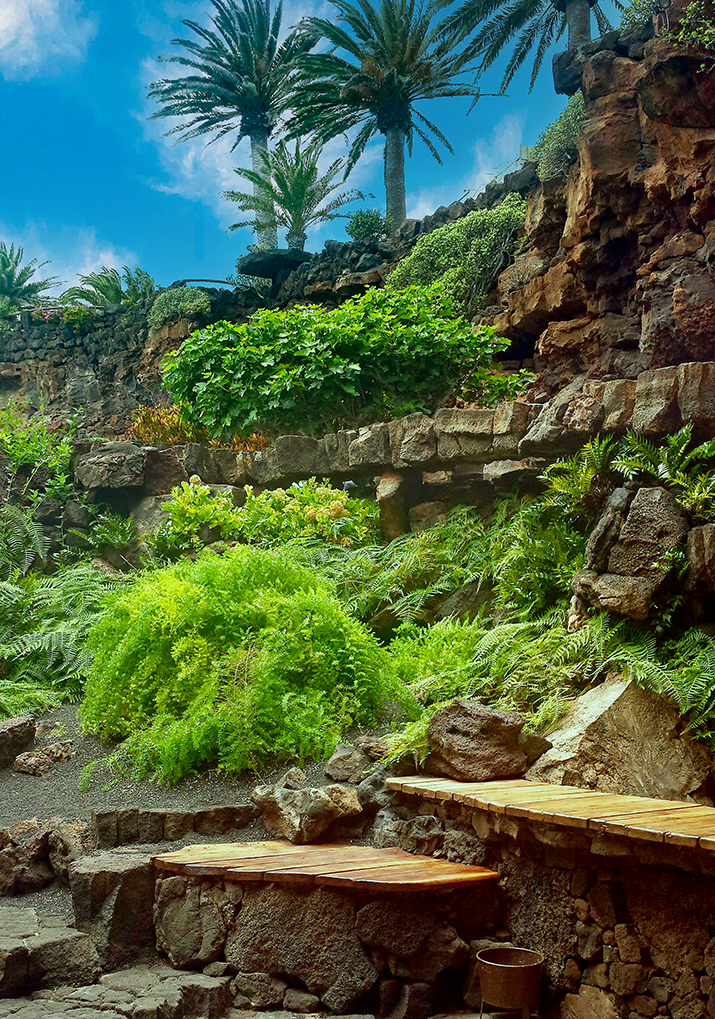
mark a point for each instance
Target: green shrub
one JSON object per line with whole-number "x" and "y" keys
{"x": 220, "y": 662}
{"x": 557, "y": 147}
{"x": 635, "y": 13}
{"x": 308, "y": 510}
{"x": 384, "y": 354}
{"x": 467, "y": 256}
{"x": 179, "y": 302}
{"x": 697, "y": 29}
{"x": 367, "y": 225}
{"x": 31, "y": 442}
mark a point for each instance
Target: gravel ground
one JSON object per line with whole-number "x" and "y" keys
{"x": 57, "y": 794}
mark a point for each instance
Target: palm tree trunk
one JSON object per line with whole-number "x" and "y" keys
{"x": 296, "y": 239}
{"x": 395, "y": 176}
{"x": 578, "y": 20}
{"x": 268, "y": 237}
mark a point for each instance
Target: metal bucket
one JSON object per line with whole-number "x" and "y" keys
{"x": 510, "y": 977}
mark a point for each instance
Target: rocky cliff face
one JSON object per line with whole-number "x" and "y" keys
{"x": 620, "y": 274}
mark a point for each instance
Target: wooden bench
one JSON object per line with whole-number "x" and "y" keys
{"x": 361, "y": 868}
{"x": 638, "y": 817}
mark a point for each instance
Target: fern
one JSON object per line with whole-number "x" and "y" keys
{"x": 673, "y": 463}
{"x": 22, "y": 543}
{"x": 579, "y": 484}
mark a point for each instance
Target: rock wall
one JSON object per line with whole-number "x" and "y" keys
{"x": 619, "y": 276}
{"x": 626, "y": 926}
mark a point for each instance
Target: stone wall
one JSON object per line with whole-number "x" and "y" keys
{"x": 626, "y": 926}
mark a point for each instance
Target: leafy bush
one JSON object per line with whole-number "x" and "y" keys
{"x": 31, "y": 442}
{"x": 179, "y": 302}
{"x": 367, "y": 225}
{"x": 306, "y": 369}
{"x": 467, "y": 256}
{"x": 152, "y": 426}
{"x": 557, "y": 147}
{"x": 697, "y": 29}
{"x": 307, "y": 510}
{"x": 635, "y": 13}
{"x": 225, "y": 660}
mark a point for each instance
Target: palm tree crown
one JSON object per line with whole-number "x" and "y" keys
{"x": 289, "y": 192}
{"x": 243, "y": 76}
{"x": 15, "y": 285}
{"x": 529, "y": 23}
{"x": 393, "y": 58}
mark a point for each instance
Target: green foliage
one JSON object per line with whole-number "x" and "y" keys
{"x": 367, "y": 225}
{"x": 6, "y": 307}
{"x": 636, "y": 13}
{"x": 307, "y": 511}
{"x": 289, "y": 192}
{"x": 222, "y": 661}
{"x": 465, "y": 257}
{"x": 579, "y": 485}
{"x": 675, "y": 463}
{"x": 557, "y": 147}
{"x": 22, "y": 543}
{"x": 31, "y": 442}
{"x": 15, "y": 286}
{"x": 384, "y": 354}
{"x": 697, "y": 28}
{"x": 78, "y": 315}
{"x": 179, "y": 302}
{"x": 109, "y": 286}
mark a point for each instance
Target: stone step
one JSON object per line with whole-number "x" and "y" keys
{"x": 142, "y": 992}
{"x": 39, "y": 951}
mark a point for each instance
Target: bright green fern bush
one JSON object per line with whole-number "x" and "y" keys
{"x": 467, "y": 256}
{"x": 309, "y": 369}
{"x": 220, "y": 662}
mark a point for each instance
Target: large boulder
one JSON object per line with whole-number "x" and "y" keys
{"x": 304, "y": 934}
{"x": 273, "y": 263}
{"x": 473, "y": 743}
{"x": 291, "y": 810}
{"x": 621, "y": 739}
{"x": 16, "y": 734}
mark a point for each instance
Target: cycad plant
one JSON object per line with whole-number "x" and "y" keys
{"x": 108, "y": 286}
{"x": 15, "y": 279}
{"x": 525, "y": 24}
{"x": 387, "y": 58}
{"x": 242, "y": 81}
{"x": 289, "y": 192}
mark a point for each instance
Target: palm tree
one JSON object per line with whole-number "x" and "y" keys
{"x": 243, "y": 80}
{"x": 393, "y": 58}
{"x": 289, "y": 190}
{"x": 98, "y": 289}
{"x": 530, "y": 22}
{"x": 15, "y": 285}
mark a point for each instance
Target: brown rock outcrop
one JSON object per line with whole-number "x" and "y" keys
{"x": 471, "y": 742}
{"x": 631, "y": 232}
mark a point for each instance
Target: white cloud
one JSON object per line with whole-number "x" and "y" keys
{"x": 491, "y": 159}
{"x": 39, "y": 34}
{"x": 70, "y": 251}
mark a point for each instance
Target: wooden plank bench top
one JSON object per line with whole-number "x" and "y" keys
{"x": 339, "y": 866}
{"x": 640, "y": 817}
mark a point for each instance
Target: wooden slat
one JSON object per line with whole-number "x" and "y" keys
{"x": 670, "y": 821}
{"x": 338, "y": 865}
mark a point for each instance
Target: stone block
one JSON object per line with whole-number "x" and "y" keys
{"x": 347, "y": 763}
{"x": 163, "y": 470}
{"x": 302, "y": 815}
{"x": 150, "y": 826}
{"x": 371, "y": 447}
{"x": 696, "y": 396}
{"x": 619, "y": 398}
{"x": 412, "y": 440}
{"x": 262, "y": 990}
{"x": 104, "y": 824}
{"x": 148, "y": 514}
{"x": 16, "y": 734}
{"x": 199, "y": 460}
{"x": 112, "y": 465}
{"x": 656, "y": 411}
{"x": 113, "y": 895}
{"x": 627, "y": 978}
{"x": 235, "y": 495}
{"x": 219, "y": 820}
{"x": 394, "y": 497}
{"x": 177, "y": 823}
{"x": 398, "y": 926}
{"x": 589, "y": 1003}
{"x": 473, "y": 743}
{"x": 262, "y": 466}
{"x": 301, "y": 455}
{"x": 463, "y": 434}
{"x": 191, "y": 921}
{"x": 230, "y": 465}
{"x": 426, "y": 515}
{"x": 59, "y": 956}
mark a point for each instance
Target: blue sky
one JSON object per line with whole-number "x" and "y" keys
{"x": 87, "y": 180}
